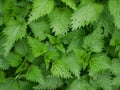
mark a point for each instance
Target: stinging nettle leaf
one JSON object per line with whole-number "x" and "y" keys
{"x": 14, "y": 59}
{"x": 114, "y": 8}
{"x": 22, "y": 67}
{"x": 13, "y": 84}
{"x": 2, "y": 41}
{"x": 115, "y": 66}
{"x": 99, "y": 63}
{"x": 105, "y": 21}
{"x": 22, "y": 48}
{"x": 41, "y": 8}
{"x": 80, "y": 84}
{"x": 115, "y": 38}
{"x": 4, "y": 64}
{"x": 13, "y": 31}
{"x": 103, "y": 80}
{"x": 82, "y": 57}
{"x": 59, "y": 69}
{"x": 70, "y": 3}
{"x": 10, "y": 84}
{"x": 37, "y": 47}
{"x": 71, "y": 61}
{"x": 50, "y": 83}
{"x": 40, "y": 28}
{"x": 77, "y": 38}
{"x": 116, "y": 81}
{"x": 60, "y": 20}
{"x": 35, "y": 74}
{"x": 86, "y": 15}
{"x": 2, "y": 77}
{"x": 94, "y": 42}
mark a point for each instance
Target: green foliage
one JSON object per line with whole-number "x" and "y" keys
{"x": 14, "y": 59}
{"x": 14, "y": 30}
{"x": 80, "y": 85}
{"x": 60, "y": 20}
{"x": 115, "y": 66}
{"x": 34, "y": 74}
{"x": 115, "y": 11}
{"x": 59, "y": 69}
{"x": 50, "y": 83}
{"x": 41, "y": 8}
{"x": 2, "y": 77}
{"x": 72, "y": 64}
{"x": 70, "y": 3}
{"x": 4, "y": 64}
{"x": 13, "y": 84}
{"x": 99, "y": 63}
{"x": 86, "y": 15}
{"x": 40, "y": 28}
{"x": 37, "y": 47}
{"x": 59, "y": 45}
{"x": 103, "y": 80}
{"x": 94, "y": 42}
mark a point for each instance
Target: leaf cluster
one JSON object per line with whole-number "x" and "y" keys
{"x": 59, "y": 45}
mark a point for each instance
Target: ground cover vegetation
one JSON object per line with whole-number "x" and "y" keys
{"x": 59, "y": 44}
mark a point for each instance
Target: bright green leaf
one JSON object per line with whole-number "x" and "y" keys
{"x": 37, "y": 47}
{"x": 41, "y": 8}
{"x": 60, "y": 20}
{"x": 87, "y": 14}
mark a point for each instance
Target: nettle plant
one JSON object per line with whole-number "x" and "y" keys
{"x": 60, "y": 44}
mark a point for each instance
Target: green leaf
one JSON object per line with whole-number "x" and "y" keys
{"x": 99, "y": 63}
{"x": 13, "y": 84}
{"x": 22, "y": 67}
{"x": 37, "y": 47}
{"x": 40, "y": 28}
{"x": 94, "y": 42}
{"x": 10, "y": 84}
{"x": 14, "y": 59}
{"x": 115, "y": 66}
{"x": 106, "y": 22}
{"x": 22, "y": 48}
{"x": 86, "y": 15}
{"x": 116, "y": 81}
{"x": 59, "y": 69}
{"x": 34, "y": 74}
{"x": 2, "y": 77}
{"x": 83, "y": 2}
{"x": 14, "y": 30}
{"x": 60, "y": 20}
{"x": 1, "y": 12}
{"x": 1, "y": 7}
{"x": 53, "y": 39}
{"x": 41, "y": 8}
{"x": 114, "y": 8}
{"x": 82, "y": 57}
{"x": 70, "y": 3}
{"x": 52, "y": 54}
{"x": 25, "y": 85}
{"x": 50, "y": 83}
{"x": 2, "y": 41}
{"x": 60, "y": 47}
{"x": 21, "y": 10}
{"x": 115, "y": 38}
{"x": 103, "y": 80}
{"x": 72, "y": 64}
{"x": 76, "y": 41}
{"x": 4, "y": 64}
{"x": 80, "y": 84}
